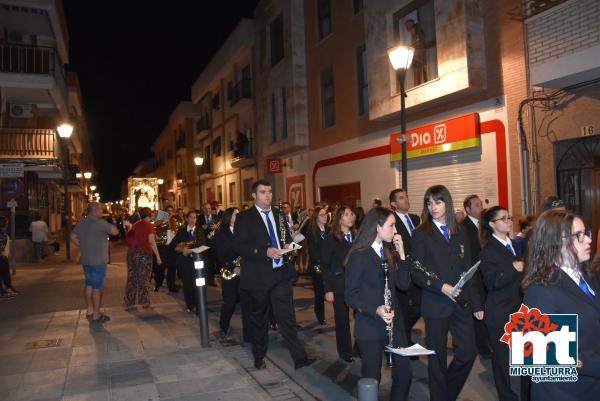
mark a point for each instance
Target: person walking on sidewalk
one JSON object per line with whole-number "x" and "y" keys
{"x": 139, "y": 260}
{"x": 90, "y": 235}
{"x": 39, "y": 232}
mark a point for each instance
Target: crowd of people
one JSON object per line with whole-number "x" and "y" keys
{"x": 390, "y": 267}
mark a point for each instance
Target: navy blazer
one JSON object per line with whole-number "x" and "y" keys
{"x": 401, "y": 229}
{"x": 502, "y": 280}
{"x": 447, "y": 260}
{"x": 251, "y": 241}
{"x": 567, "y": 298}
{"x": 365, "y": 282}
{"x": 333, "y": 255}
{"x": 223, "y": 245}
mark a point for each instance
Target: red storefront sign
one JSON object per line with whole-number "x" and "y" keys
{"x": 457, "y": 133}
{"x": 296, "y": 190}
{"x": 274, "y": 166}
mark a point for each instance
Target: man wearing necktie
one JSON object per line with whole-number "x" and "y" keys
{"x": 266, "y": 276}
{"x": 409, "y": 300}
{"x": 473, "y": 208}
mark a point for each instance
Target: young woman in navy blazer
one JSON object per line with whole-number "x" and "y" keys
{"x": 442, "y": 247}
{"x": 502, "y": 271}
{"x": 365, "y": 283}
{"x": 333, "y": 254}
{"x": 559, "y": 280}
{"x": 316, "y": 234}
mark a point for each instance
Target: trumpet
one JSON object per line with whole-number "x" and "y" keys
{"x": 213, "y": 232}
{"x": 227, "y": 274}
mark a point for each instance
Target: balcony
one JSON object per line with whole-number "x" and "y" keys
{"x": 40, "y": 63}
{"x": 243, "y": 152}
{"x": 241, "y": 90}
{"x": 28, "y": 144}
{"x": 203, "y": 123}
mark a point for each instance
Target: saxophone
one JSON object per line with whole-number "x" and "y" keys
{"x": 387, "y": 300}
{"x": 227, "y": 274}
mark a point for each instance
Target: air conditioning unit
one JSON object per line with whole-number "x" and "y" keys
{"x": 19, "y": 38}
{"x": 21, "y": 111}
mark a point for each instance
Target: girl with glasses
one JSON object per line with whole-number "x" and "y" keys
{"x": 502, "y": 271}
{"x": 559, "y": 280}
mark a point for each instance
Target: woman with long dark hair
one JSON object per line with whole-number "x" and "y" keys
{"x": 5, "y": 277}
{"x": 559, "y": 280}
{"x": 442, "y": 247}
{"x": 316, "y": 234}
{"x": 365, "y": 285}
{"x": 333, "y": 254}
{"x": 229, "y": 264}
{"x": 502, "y": 270}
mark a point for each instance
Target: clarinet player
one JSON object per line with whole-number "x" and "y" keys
{"x": 443, "y": 248}
{"x": 365, "y": 292}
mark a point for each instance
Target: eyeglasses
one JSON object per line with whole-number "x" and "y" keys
{"x": 581, "y": 235}
{"x": 505, "y": 219}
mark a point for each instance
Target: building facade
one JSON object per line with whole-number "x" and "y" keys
{"x": 37, "y": 95}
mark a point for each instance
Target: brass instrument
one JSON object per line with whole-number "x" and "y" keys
{"x": 185, "y": 244}
{"x": 290, "y": 256}
{"x": 227, "y": 274}
{"x": 213, "y": 232}
{"x": 387, "y": 300}
{"x": 161, "y": 227}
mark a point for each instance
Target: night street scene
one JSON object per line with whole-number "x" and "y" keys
{"x": 326, "y": 200}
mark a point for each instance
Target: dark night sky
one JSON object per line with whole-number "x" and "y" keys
{"x": 136, "y": 61}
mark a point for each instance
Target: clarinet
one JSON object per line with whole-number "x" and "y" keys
{"x": 387, "y": 299}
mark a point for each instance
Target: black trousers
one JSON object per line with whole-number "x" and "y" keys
{"x": 446, "y": 382}
{"x": 319, "y": 290}
{"x": 371, "y": 356}
{"x": 188, "y": 279}
{"x": 168, "y": 259}
{"x": 341, "y": 315}
{"x": 410, "y": 306}
{"x": 500, "y": 362}
{"x": 279, "y": 300}
{"x": 5, "y": 273}
{"x": 231, "y": 296}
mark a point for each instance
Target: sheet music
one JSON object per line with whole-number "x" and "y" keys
{"x": 200, "y": 249}
{"x": 293, "y": 247}
{"x": 466, "y": 276}
{"x": 413, "y": 350}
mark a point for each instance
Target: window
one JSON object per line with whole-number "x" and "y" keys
{"x": 415, "y": 25}
{"x": 216, "y": 102}
{"x": 220, "y": 193}
{"x": 324, "y": 18}
{"x": 247, "y": 184}
{"x": 276, "y": 40}
{"x": 283, "y": 113}
{"x": 232, "y": 192}
{"x": 229, "y": 90}
{"x": 362, "y": 81}
{"x": 327, "y": 97}
{"x": 217, "y": 146}
{"x": 272, "y": 119}
{"x": 358, "y": 6}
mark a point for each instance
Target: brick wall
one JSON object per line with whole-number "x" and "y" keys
{"x": 564, "y": 29}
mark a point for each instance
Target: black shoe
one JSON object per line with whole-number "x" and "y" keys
{"x": 321, "y": 322}
{"x": 348, "y": 359}
{"x": 298, "y": 327}
{"x": 273, "y": 326}
{"x": 259, "y": 363}
{"x": 304, "y": 362}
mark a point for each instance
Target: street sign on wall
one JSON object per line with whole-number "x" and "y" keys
{"x": 12, "y": 170}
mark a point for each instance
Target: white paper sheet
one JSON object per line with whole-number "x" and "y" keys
{"x": 413, "y": 350}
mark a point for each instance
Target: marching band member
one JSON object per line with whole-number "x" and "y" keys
{"x": 168, "y": 258}
{"x": 259, "y": 236}
{"x": 502, "y": 271}
{"x": 333, "y": 254}
{"x": 558, "y": 280}
{"x": 443, "y": 248}
{"x": 365, "y": 289}
{"x": 230, "y": 275}
{"x": 316, "y": 233}
{"x": 187, "y": 238}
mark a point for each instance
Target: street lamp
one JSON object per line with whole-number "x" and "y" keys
{"x": 87, "y": 175}
{"x": 65, "y": 131}
{"x": 198, "y": 161}
{"x": 401, "y": 57}
{"x": 160, "y": 181}
{"x": 92, "y": 187}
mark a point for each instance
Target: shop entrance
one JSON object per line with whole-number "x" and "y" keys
{"x": 578, "y": 178}
{"x": 346, "y": 194}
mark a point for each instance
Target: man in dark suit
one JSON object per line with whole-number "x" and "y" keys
{"x": 410, "y": 300}
{"x": 473, "y": 208}
{"x": 208, "y": 222}
{"x": 259, "y": 238}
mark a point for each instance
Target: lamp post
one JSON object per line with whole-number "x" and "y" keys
{"x": 161, "y": 201}
{"x": 401, "y": 57}
{"x": 199, "y": 161}
{"x": 87, "y": 175}
{"x": 65, "y": 131}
